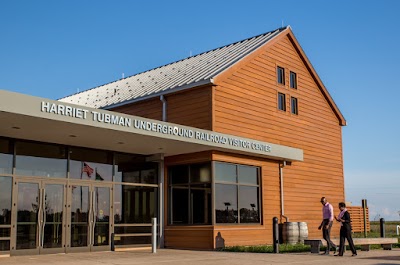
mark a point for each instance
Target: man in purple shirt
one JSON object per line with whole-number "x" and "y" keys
{"x": 326, "y": 224}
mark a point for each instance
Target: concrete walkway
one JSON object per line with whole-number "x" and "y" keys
{"x": 185, "y": 257}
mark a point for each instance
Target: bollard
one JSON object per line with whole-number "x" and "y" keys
{"x": 112, "y": 242}
{"x": 275, "y": 230}
{"x": 364, "y": 206}
{"x": 382, "y": 227}
{"x": 153, "y": 235}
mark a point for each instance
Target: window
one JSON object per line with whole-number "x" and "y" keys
{"x": 293, "y": 80}
{"x": 190, "y": 194}
{"x": 294, "y": 108}
{"x": 281, "y": 75}
{"x": 281, "y": 101}
{"x": 237, "y": 193}
{"x": 6, "y": 156}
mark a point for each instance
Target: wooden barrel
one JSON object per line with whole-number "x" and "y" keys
{"x": 303, "y": 232}
{"x": 290, "y": 232}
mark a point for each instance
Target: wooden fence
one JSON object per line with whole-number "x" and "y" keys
{"x": 357, "y": 218}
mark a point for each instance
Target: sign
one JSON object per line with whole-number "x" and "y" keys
{"x": 162, "y": 128}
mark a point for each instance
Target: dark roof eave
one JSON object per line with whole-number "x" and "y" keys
{"x": 209, "y": 81}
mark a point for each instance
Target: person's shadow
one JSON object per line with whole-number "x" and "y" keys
{"x": 219, "y": 241}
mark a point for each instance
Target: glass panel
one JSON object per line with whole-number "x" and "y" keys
{"x": 200, "y": 173}
{"x": 248, "y": 204}
{"x": 225, "y": 172}
{"x": 5, "y": 200}
{"x": 90, "y": 164}
{"x": 248, "y": 175}
{"x": 4, "y": 245}
{"x": 281, "y": 75}
{"x": 5, "y": 232}
{"x": 180, "y": 204}
{"x": 54, "y": 200}
{"x": 6, "y": 157}
{"x": 179, "y": 174}
{"x": 135, "y": 169}
{"x": 226, "y": 203}
{"x": 293, "y": 80}
{"x": 132, "y": 240}
{"x": 282, "y": 101}
{"x": 27, "y": 215}
{"x": 294, "y": 105}
{"x": 38, "y": 159}
{"x": 132, "y": 229}
{"x": 133, "y": 204}
{"x": 201, "y": 203}
{"x": 102, "y": 213}
{"x": 79, "y": 216}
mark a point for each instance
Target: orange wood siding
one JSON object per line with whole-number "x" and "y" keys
{"x": 357, "y": 218}
{"x": 151, "y": 109}
{"x": 191, "y": 108}
{"x": 245, "y": 104}
{"x": 189, "y": 237}
{"x": 254, "y": 234}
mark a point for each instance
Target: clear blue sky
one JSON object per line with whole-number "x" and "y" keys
{"x": 54, "y": 48}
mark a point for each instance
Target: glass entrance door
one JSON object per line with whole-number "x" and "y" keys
{"x": 39, "y": 217}
{"x": 89, "y": 214}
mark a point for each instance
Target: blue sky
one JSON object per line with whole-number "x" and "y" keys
{"x": 55, "y": 48}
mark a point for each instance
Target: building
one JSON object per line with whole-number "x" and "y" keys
{"x": 214, "y": 146}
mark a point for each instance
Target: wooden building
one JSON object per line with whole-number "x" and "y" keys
{"x": 263, "y": 91}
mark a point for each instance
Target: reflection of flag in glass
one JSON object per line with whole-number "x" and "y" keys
{"x": 87, "y": 169}
{"x": 98, "y": 177}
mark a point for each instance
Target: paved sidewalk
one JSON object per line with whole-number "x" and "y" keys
{"x": 185, "y": 257}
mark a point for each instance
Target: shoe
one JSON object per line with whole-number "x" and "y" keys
{"x": 355, "y": 254}
{"x": 337, "y": 255}
{"x": 336, "y": 250}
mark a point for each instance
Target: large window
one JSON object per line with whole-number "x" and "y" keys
{"x": 89, "y": 164}
{"x": 135, "y": 169}
{"x": 190, "y": 194}
{"x": 237, "y": 193}
{"x": 6, "y": 156}
{"x": 40, "y": 159}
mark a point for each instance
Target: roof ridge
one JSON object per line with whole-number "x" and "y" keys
{"x": 202, "y": 53}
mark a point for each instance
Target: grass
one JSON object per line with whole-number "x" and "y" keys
{"x": 390, "y": 231}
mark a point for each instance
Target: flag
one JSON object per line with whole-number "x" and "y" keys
{"x": 87, "y": 169}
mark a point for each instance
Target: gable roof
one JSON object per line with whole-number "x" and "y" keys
{"x": 190, "y": 72}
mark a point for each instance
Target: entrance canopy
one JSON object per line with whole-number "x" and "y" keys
{"x": 45, "y": 120}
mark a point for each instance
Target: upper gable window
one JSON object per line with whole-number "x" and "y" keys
{"x": 281, "y": 101}
{"x": 280, "y": 75}
{"x": 293, "y": 80}
{"x": 293, "y": 106}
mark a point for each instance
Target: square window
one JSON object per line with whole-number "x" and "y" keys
{"x": 280, "y": 75}
{"x": 282, "y": 101}
{"x": 293, "y": 80}
{"x": 293, "y": 106}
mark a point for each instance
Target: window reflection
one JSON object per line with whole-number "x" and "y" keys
{"x": 135, "y": 169}
{"x": 5, "y": 200}
{"x": 39, "y": 159}
{"x": 134, "y": 204}
{"x": 226, "y": 210}
{"x": 248, "y": 204}
{"x": 6, "y": 157}
{"x": 190, "y": 194}
{"x": 88, "y": 164}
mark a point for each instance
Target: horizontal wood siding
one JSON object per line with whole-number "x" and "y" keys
{"x": 151, "y": 109}
{"x": 191, "y": 108}
{"x": 357, "y": 218}
{"x": 270, "y": 196}
{"x": 245, "y": 104}
{"x": 189, "y": 237}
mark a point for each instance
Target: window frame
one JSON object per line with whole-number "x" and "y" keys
{"x": 294, "y": 108}
{"x": 238, "y": 185}
{"x": 280, "y": 75}
{"x": 293, "y": 81}
{"x": 281, "y": 101}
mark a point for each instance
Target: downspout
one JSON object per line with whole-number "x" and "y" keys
{"x": 164, "y": 108}
{"x": 281, "y": 166}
